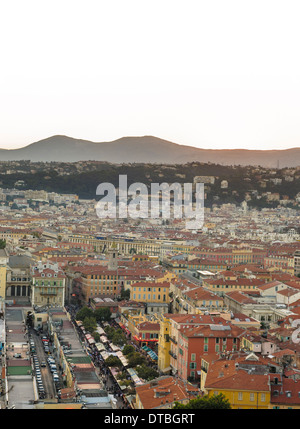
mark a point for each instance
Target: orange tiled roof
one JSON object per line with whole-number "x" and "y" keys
{"x": 164, "y": 390}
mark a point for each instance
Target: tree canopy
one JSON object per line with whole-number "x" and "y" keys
{"x": 206, "y": 402}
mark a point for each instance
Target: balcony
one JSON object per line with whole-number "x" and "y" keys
{"x": 48, "y": 293}
{"x": 172, "y": 354}
{"x": 173, "y": 340}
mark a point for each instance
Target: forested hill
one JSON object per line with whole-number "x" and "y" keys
{"x": 83, "y": 179}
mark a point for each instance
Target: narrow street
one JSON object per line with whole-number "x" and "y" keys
{"x": 47, "y": 379}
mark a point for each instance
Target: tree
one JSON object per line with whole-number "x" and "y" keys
{"x": 90, "y": 324}
{"x": 135, "y": 359}
{"x": 109, "y": 332}
{"x": 128, "y": 349}
{"x": 113, "y": 361}
{"x": 118, "y": 338}
{"x": 2, "y": 244}
{"x": 103, "y": 314}
{"x": 146, "y": 373}
{"x": 30, "y": 319}
{"x": 83, "y": 313}
{"x": 96, "y": 336}
{"x": 125, "y": 294}
{"x": 205, "y": 403}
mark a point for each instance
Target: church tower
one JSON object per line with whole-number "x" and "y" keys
{"x": 113, "y": 258}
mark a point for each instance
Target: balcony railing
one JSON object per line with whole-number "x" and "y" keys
{"x": 173, "y": 340}
{"x": 48, "y": 293}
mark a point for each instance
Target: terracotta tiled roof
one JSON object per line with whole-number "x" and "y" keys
{"x": 233, "y": 378}
{"x": 287, "y": 392}
{"x": 164, "y": 391}
{"x": 269, "y": 285}
{"x": 240, "y": 297}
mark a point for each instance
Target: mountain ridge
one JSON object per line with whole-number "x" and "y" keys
{"x": 145, "y": 149}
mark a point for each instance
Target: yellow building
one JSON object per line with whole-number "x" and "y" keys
{"x": 164, "y": 346}
{"x": 125, "y": 246}
{"x": 2, "y": 282}
{"x": 167, "y": 277}
{"x": 150, "y": 292}
{"x": 221, "y": 286}
{"x": 176, "y": 266}
{"x": 142, "y": 328}
{"x": 242, "y": 256}
{"x": 246, "y": 398}
{"x": 243, "y": 388}
{"x": 284, "y": 263}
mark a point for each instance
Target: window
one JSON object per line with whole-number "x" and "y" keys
{"x": 193, "y": 356}
{"x": 240, "y": 396}
{"x": 251, "y": 396}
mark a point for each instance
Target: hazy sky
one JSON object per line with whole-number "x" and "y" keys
{"x": 212, "y": 74}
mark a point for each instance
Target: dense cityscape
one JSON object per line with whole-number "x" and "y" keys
{"x": 149, "y": 210}
{"x": 144, "y": 313}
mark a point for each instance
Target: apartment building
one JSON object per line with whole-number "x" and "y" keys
{"x": 91, "y": 281}
{"x": 222, "y": 286}
{"x": 48, "y": 287}
{"x": 297, "y": 263}
{"x": 195, "y": 342}
{"x": 150, "y": 292}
